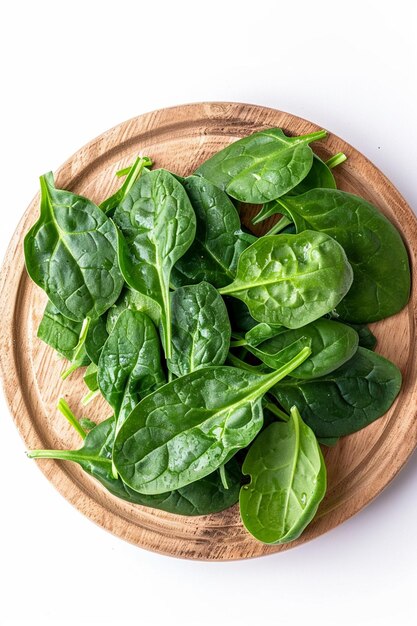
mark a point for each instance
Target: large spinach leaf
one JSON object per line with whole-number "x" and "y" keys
{"x": 219, "y": 239}
{"x": 192, "y": 426}
{"x": 158, "y": 226}
{"x": 205, "y": 496}
{"x": 200, "y": 329}
{"x": 332, "y": 344}
{"x": 288, "y": 481}
{"x": 381, "y": 285}
{"x": 61, "y": 333}
{"x": 348, "y": 399}
{"x": 71, "y": 252}
{"x": 291, "y": 279}
{"x": 129, "y": 366}
{"x": 261, "y": 167}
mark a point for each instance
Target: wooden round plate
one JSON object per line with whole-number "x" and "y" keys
{"x": 180, "y": 138}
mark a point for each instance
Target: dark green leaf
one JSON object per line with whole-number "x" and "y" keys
{"x": 261, "y": 167}
{"x": 288, "y": 481}
{"x": 130, "y": 363}
{"x": 291, "y": 279}
{"x": 200, "y": 329}
{"x": 71, "y": 252}
{"x": 218, "y": 242}
{"x": 110, "y": 204}
{"x": 346, "y": 400}
{"x": 90, "y": 377}
{"x": 158, "y": 226}
{"x": 96, "y": 338}
{"x": 61, "y": 333}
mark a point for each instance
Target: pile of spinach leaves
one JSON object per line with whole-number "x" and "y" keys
{"x": 221, "y": 355}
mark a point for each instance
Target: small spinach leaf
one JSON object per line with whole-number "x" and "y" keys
{"x": 332, "y": 344}
{"x": 71, "y": 252}
{"x": 200, "y": 329}
{"x": 261, "y": 167}
{"x": 291, "y": 279}
{"x": 96, "y": 338}
{"x": 288, "y": 481}
{"x": 90, "y": 377}
{"x": 130, "y": 363}
{"x": 158, "y": 226}
{"x": 348, "y": 399}
{"x": 218, "y": 241}
{"x": 319, "y": 175}
{"x": 61, "y": 333}
{"x": 192, "y": 426}
{"x": 110, "y": 204}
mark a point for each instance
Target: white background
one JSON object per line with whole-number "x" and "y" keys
{"x": 71, "y": 70}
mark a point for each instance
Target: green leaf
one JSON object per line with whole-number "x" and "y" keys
{"x": 288, "y": 481}
{"x": 291, "y": 279}
{"x": 90, "y": 377}
{"x": 319, "y": 176}
{"x": 381, "y": 284}
{"x": 348, "y": 399}
{"x": 261, "y": 167}
{"x": 134, "y": 301}
{"x": 61, "y": 333}
{"x": 191, "y": 426}
{"x": 201, "y": 498}
{"x": 158, "y": 226}
{"x": 261, "y": 332}
{"x": 96, "y": 338}
{"x": 332, "y": 344}
{"x": 200, "y": 329}
{"x": 218, "y": 242}
{"x": 130, "y": 363}
{"x": 71, "y": 252}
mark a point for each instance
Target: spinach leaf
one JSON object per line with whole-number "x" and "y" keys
{"x": 261, "y": 167}
{"x": 90, "y": 377}
{"x": 291, "y": 279}
{"x": 348, "y": 399}
{"x": 158, "y": 225}
{"x": 71, "y": 252}
{"x": 192, "y": 426}
{"x": 134, "y": 301}
{"x": 96, "y": 338}
{"x": 200, "y": 329}
{"x": 332, "y": 344}
{"x": 367, "y": 338}
{"x": 219, "y": 239}
{"x": 61, "y": 333}
{"x": 288, "y": 481}
{"x": 381, "y": 284}
{"x": 319, "y": 176}
{"x": 130, "y": 363}
{"x": 261, "y": 332}
{"x": 201, "y": 498}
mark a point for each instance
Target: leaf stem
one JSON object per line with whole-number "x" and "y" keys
{"x": 64, "y": 408}
{"x": 319, "y": 134}
{"x": 90, "y": 396}
{"x": 238, "y": 343}
{"x": 69, "y": 371}
{"x": 276, "y": 411}
{"x": 147, "y": 162}
{"x": 280, "y": 225}
{"x": 336, "y": 159}
{"x": 223, "y": 477}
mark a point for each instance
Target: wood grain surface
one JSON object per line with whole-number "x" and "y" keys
{"x": 181, "y": 138}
